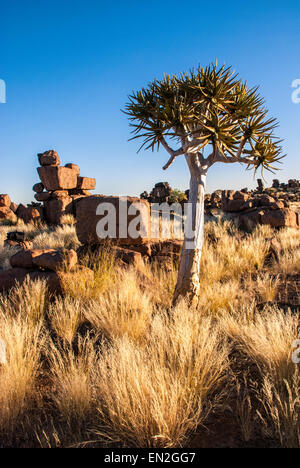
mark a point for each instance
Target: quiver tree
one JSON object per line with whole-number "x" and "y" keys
{"x": 211, "y": 116}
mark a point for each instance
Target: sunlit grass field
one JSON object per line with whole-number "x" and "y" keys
{"x": 113, "y": 364}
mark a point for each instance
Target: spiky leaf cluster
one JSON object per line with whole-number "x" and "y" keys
{"x": 210, "y": 106}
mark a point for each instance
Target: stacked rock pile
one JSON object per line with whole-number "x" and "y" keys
{"x": 60, "y": 186}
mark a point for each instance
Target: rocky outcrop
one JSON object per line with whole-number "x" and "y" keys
{"x": 249, "y": 210}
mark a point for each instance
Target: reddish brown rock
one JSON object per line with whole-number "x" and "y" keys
{"x": 280, "y": 218}
{"x": 30, "y": 214}
{"x": 58, "y": 194}
{"x": 79, "y": 192}
{"x": 22, "y": 259}
{"x": 15, "y": 276}
{"x": 43, "y": 196}
{"x": 38, "y": 188}
{"x": 88, "y": 219}
{"x": 49, "y": 158}
{"x": 249, "y": 221}
{"x": 21, "y": 244}
{"x": 5, "y": 200}
{"x": 6, "y": 213}
{"x": 48, "y": 259}
{"x": 75, "y": 167}
{"x": 86, "y": 183}
{"x": 56, "y": 259}
{"x": 55, "y": 209}
{"x": 13, "y": 207}
{"x": 129, "y": 256}
{"x": 167, "y": 248}
{"x": 58, "y": 178}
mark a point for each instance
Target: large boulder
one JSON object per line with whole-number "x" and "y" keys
{"x": 56, "y": 208}
{"x": 280, "y": 218}
{"x": 43, "y": 196}
{"x": 30, "y": 213}
{"x": 88, "y": 220}
{"x": 129, "y": 257}
{"x": 6, "y": 214}
{"x": 49, "y": 158}
{"x": 10, "y": 279}
{"x": 58, "y": 178}
{"x": 5, "y": 200}
{"x": 48, "y": 259}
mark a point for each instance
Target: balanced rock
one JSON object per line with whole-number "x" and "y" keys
{"x": 75, "y": 167}
{"x": 58, "y": 178}
{"x": 38, "y": 188}
{"x": 86, "y": 183}
{"x": 49, "y": 158}
{"x": 43, "y": 196}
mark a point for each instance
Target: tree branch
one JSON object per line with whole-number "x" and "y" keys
{"x": 174, "y": 154}
{"x": 219, "y": 157}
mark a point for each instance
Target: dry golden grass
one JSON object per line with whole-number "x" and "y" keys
{"x": 24, "y": 342}
{"x": 111, "y": 362}
{"x": 157, "y": 393}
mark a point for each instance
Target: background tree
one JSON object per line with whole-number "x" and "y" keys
{"x": 213, "y": 117}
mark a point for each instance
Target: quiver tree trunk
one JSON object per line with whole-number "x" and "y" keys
{"x": 188, "y": 282}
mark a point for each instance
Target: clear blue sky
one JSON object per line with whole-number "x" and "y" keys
{"x": 69, "y": 66}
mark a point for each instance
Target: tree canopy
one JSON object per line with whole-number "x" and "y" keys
{"x": 207, "y": 107}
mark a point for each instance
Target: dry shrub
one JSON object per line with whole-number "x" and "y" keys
{"x": 24, "y": 341}
{"x": 123, "y": 310}
{"x": 156, "y": 394}
{"x": 28, "y": 300}
{"x": 72, "y": 378}
{"x": 65, "y": 315}
{"x": 280, "y": 412}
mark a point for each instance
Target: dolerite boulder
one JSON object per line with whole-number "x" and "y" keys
{"x": 86, "y": 183}
{"x": 38, "y": 188}
{"x": 75, "y": 167}
{"x": 56, "y": 208}
{"x": 49, "y": 259}
{"x": 15, "y": 276}
{"x": 31, "y": 213}
{"x": 5, "y": 200}
{"x": 49, "y": 158}
{"x": 280, "y": 218}
{"x": 6, "y": 214}
{"x": 58, "y": 177}
{"x": 43, "y": 196}
{"x": 88, "y": 219}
